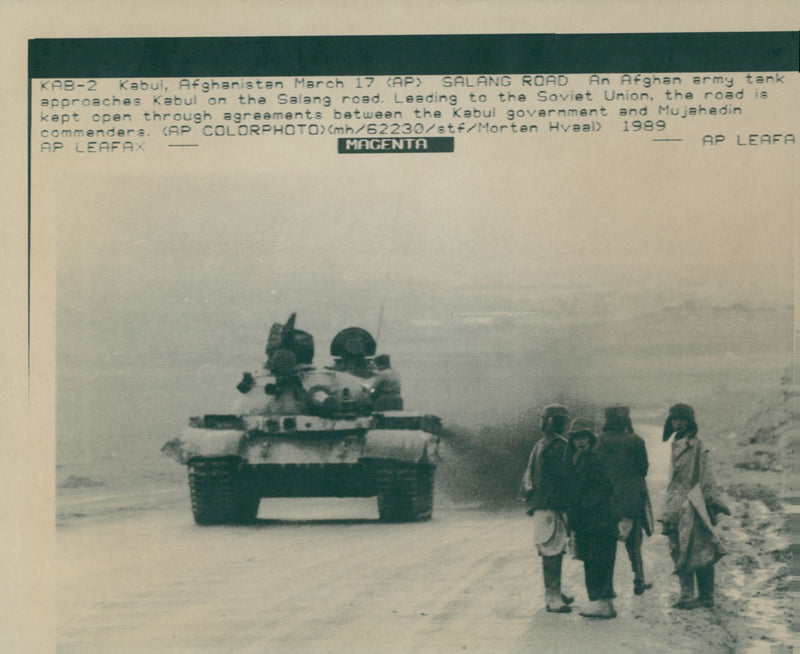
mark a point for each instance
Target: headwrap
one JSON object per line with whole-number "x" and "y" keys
{"x": 551, "y": 411}
{"x": 582, "y": 427}
{"x": 618, "y": 416}
{"x": 681, "y": 411}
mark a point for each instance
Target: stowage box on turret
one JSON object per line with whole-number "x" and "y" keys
{"x": 302, "y": 431}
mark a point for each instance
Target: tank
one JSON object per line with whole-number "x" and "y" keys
{"x": 298, "y": 430}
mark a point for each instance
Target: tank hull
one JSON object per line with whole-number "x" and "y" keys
{"x": 300, "y": 439}
{"x": 235, "y": 461}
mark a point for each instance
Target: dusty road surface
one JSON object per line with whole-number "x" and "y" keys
{"x": 326, "y": 576}
{"x": 467, "y": 581}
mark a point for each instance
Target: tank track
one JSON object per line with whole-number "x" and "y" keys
{"x": 221, "y": 493}
{"x": 405, "y": 491}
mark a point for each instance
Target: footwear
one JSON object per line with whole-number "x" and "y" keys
{"x": 551, "y": 571}
{"x": 593, "y": 610}
{"x": 608, "y": 605}
{"x": 567, "y": 599}
{"x": 640, "y": 586}
{"x": 686, "y": 599}
{"x": 554, "y": 604}
{"x": 696, "y": 603}
{"x": 558, "y": 607}
{"x": 600, "y": 609}
{"x": 705, "y": 587}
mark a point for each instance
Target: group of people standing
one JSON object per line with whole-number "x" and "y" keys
{"x": 587, "y": 492}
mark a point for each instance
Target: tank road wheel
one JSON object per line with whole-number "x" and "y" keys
{"x": 220, "y": 493}
{"x": 405, "y": 492}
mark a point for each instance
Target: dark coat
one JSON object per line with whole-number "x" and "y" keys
{"x": 546, "y": 480}
{"x": 590, "y": 515}
{"x": 590, "y": 494}
{"x": 625, "y": 457}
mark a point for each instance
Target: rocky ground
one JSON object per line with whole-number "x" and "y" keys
{"x": 754, "y": 466}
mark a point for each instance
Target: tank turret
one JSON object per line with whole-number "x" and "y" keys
{"x": 299, "y": 430}
{"x": 356, "y": 383}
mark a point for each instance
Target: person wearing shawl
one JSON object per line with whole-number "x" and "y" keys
{"x": 691, "y": 506}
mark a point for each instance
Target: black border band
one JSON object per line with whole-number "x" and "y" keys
{"x": 451, "y": 54}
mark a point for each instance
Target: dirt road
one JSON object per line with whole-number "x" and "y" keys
{"x": 467, "y": 581}
{"x": 326, "y": 576}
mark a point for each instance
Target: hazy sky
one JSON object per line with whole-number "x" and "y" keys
{"x": 436, "y": 223}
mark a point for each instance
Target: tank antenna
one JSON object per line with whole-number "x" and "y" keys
{"x": 380, "y": 322}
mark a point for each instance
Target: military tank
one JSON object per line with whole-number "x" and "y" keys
{"x": 298, "y": 430}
